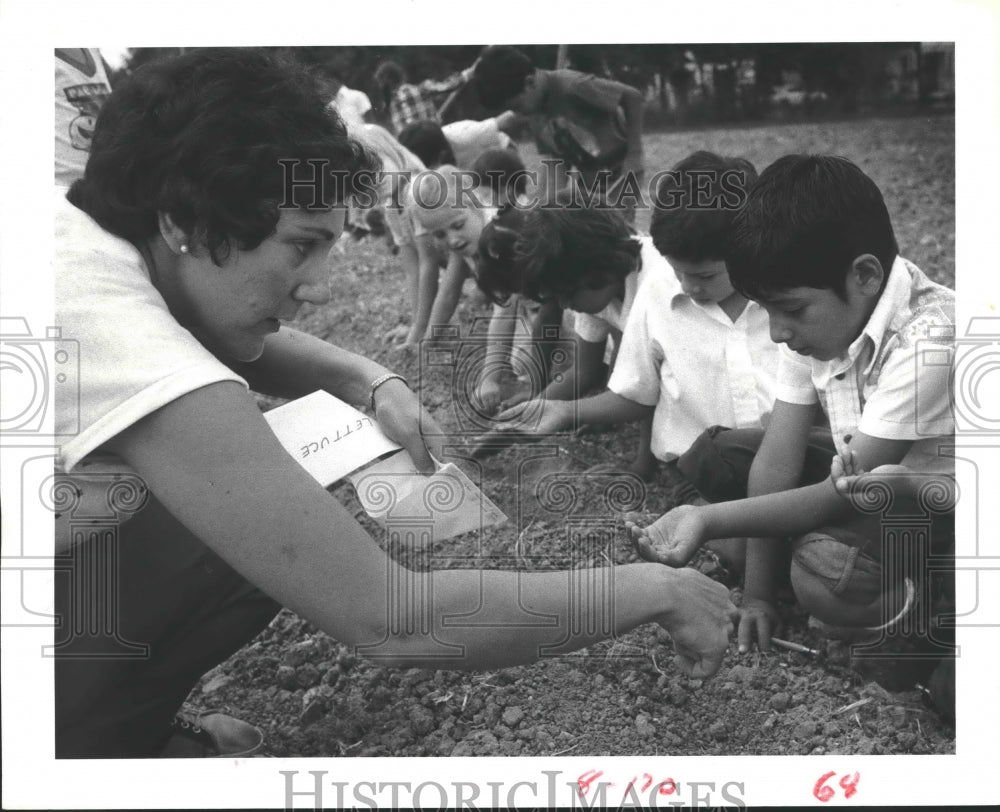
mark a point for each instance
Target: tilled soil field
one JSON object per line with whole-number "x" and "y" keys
{"x": 314, "y": 697}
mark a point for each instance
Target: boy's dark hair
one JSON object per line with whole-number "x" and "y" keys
{"x": 499, "y": 75}
{"x": 496, "y": 274}
{"x": 426, "y": 140}
{"x": 567, "y": 248}
{"x": 199, "y": 137}
{"x": 695, "y": 204}
{"x": 389, "y": 75}
{"x": 805, "y": 221}
{"x": 503, "y": 171}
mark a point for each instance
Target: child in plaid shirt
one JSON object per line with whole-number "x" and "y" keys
{"x": 408, "y": 102}
{"x": 815, "y": 246}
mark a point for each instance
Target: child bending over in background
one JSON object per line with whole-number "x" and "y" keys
{"x": 448, "y": 214}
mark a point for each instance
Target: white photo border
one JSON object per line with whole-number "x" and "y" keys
{"x": 29, "y": 32}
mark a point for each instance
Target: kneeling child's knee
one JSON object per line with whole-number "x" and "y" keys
{"x": 836, "y": 582}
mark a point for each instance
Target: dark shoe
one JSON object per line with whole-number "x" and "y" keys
{"x": 210, "y": 734}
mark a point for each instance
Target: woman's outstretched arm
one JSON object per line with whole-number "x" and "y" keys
{"x": 211, "y": 459}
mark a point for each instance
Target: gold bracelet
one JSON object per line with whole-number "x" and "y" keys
{"x": 381, "y": 379}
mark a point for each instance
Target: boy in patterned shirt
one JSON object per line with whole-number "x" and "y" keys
{"x": 815, "y": 246}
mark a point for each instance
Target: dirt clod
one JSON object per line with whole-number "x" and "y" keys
{"x": 512, "y": 716}
{"x": 779, "y": 701}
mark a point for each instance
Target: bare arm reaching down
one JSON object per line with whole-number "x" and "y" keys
{"x": 213, "y": 462}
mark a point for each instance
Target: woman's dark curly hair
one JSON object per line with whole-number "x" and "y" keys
{"x": 214, "y": 138}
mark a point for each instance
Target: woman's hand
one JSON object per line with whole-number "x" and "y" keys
{"x": 403, "y": 419}
{"x": 674, "y": 538}
{"x": 701, "y": 623}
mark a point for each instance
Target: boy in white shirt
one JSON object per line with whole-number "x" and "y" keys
{"x": 695, "y": 354}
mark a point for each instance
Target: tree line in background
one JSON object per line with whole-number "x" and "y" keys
{"x": 686, "y": 84}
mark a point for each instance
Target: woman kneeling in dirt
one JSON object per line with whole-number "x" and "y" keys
{"x": 176, "y": 262}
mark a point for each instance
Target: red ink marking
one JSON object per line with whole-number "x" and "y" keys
{"x": 586, "y": 779}
{"x": 849, "y": 783}
{"x": 667, "y": 787}
{"x": 821, "y": 790}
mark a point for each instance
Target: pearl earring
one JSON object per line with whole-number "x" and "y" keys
{"x": 184, "y": 247}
